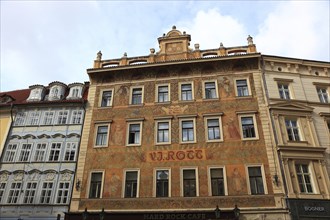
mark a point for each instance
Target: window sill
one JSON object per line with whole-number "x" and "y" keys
{"x": 104, "y": 107}
{"x": 163, "y": 103}
{"x": 186, "y": 101}
{"x": 136, "y": 105}
{"x": 244, "y": 97}
{"x": 250, "y": 139}
{"x": 133, "y": 145}
{"x": 214, "y": 141}
{"x": 100, "y": 146}
{"x": 162, "y": 143}
{"x": 211, "y": 99}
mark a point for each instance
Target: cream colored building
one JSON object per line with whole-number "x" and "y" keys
{"x": 298, "y": 100}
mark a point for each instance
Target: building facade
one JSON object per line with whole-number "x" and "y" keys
{"x": 38, "y": 162}
{"x": 298, "y": 99}
{"x": 179, "y": 134}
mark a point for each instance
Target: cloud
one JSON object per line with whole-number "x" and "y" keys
{"x": 298, "y": 29}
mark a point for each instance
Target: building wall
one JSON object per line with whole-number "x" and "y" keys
{"x": 5, "y": 121}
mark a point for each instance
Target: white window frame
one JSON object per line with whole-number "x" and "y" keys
{"x": 183, "y": 119}
{"x": 48, "y": 118}
{"x": 11, "y": 153}
{"x": 169, "y": 121}
{"x": 248, "y": 87}
{"x": 155, "y": 182}
{"x": 263, "y": 178}
{"x": 75, "y": 92}
{"x": 77, "y": 116}
{"x": 196, "y": 179}
{"x": 323, "y": 95}
{"x": 206, "y": 128}
{"x": 14, "y": 192}
{"x": 106, "y": 144}
{"x": 63, "y": 199}
{"x": 128, "y": 133}
{"x": 90, "y": 183}
{"x": 255, "y": 126}
{"x": 56, "y": 149}
{"x": 20, "y": 118}
{"x": 47, "y": 191}
{"x": 2, "y": 190}
{"x": 168, "y": 92}
{"x": 300, "y": 135}
{"x": 30, "y": 193}
{"x": 284, "y": 91}
{"x": 65, "y": 116}
{"x": 25, "y": 153}
{"x": 33, "y": 118}
{"x": 192, "y": 91}
{"x": 137, "y": 184}
{"x": 40, "y": 152}
{"x": 311, "y": 177}
{"x": 101, "y": 98}
{"x": 216, "y": 89}
{"x": 69, "y": 148}
{"x": 131, "y": 95}
{"x": 224, "y": 179}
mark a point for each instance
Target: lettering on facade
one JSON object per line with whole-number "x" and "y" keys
{"x": 176, "y": 155}
{"x": 314, "y": 209}
{"x": 173, "y": 216}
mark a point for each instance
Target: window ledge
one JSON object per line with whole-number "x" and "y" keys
{"x": 103, "y": 146}
{"x": 136, "y": 105}
{"x": 244, "y": 97}
{"x": 163, "y": 103}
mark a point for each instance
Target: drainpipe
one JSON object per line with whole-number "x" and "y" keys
{"x": 275, "y": 137}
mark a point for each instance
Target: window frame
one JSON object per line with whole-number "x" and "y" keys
{"x": 137, "y": 183}
{"x": 209, "y": 175}
{"x": 157, "y": 121}
{"x": 255, "y": 125}
{"x": 70, "y": 147}
{"x": 90, "y": 184}
{"x": 46, "y": 118}
{"x": 129, "y": 123}
{"x": 311, "y": 177}
{"x": 298, "y": 128}
{"x": 215, "y": 88}
{"x": 182, "y": 169}
{"x": 192, "y": 91}
{"x": 3, "y": 185}
{"x": 168, "y": 92}
{"x": 55, "y": 150}
{"x": 36, "y": 153}
{"x": 64, "y": 116}
{"x": 64, "y": 199}
{"x": 206, "y": 127}
{"x": 155, "y": 182}
{"x": 183, "y": 119}
{"x": 14, "y": 197}
{"x": 131, "y": 95}
{"x": 101, "y": 98}
{"x": 11, "y": 153}
{"x": 28, "y": 191}
{"x": 76, "y": 117}
{"x": 323, "y": 96}
{"x": 247, "y": 85}
{"x": 20, "y": 118}
{"x": 26, "y": 153}
{"x": 48, "y": 192}
{"x": 106, "y": 144}
{"x": 33, "y": 118}
{"x": 264, "y": 183}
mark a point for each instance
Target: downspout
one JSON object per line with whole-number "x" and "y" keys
{"x": 275, "y": 137}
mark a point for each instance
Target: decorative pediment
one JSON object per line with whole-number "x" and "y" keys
{"x": 289, "y": 106}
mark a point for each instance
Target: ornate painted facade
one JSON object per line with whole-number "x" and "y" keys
{"x": 38, "y": 162}
{"x": 178, "y": 132}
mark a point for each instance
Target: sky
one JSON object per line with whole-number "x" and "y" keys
{"x": 46, "y": 41}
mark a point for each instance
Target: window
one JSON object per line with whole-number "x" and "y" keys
{"x": 62, "y": 117}
{"x": 95, "y": 187}
{"x": 284, "y": 91}
{"x": 102, "y": 135}
{"x": 162, "y": 183}
{"x": 217, "y": 182}
{"x": 248, "y": 128}
{"x": 46, "y": 192}
{"x": 304, "y": 178}
{"x": 48, "y": 118}
{"x": 134, "y": 133}
{"x": 323, "y": 94}
{"x": 10, "y": 153}
{"x": 70, "y": 151}
{"x": 76, "y": 117}
{"x": 20, "y": 118}
{"x": 131, "y": 184}
{"x": 186, "y": 92}
{"x": 136, "y": 96}
{"x": 30, "y": 192}
{"x": 40, "y": 152}
{"x": 242, "y": 87}
{"x": 210, "y": 90}
{"x": 189, "y": 183}
{"x": 163, "y": 93}
{"x": 106, "y": 98}
{"x": 55, "y": 150}
{"x": 25, "y": 153}
{"x": 187, "y": 130}
{"x": 256, "y": 181}
{"x": 33, "y": 118}
{"x": 63, "y": 193}
{"x": 213, "y": 129}
{"x": 292, "y": 129}
{"x": 14, "y": 192}
{"x": 2, "y": 190}
{"x": 163, "y": 132}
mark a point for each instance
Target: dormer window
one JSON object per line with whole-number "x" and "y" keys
{"x": 57, "y": 91}
{"x": 36, "y": 93}
{"x": 75, "y": 91}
